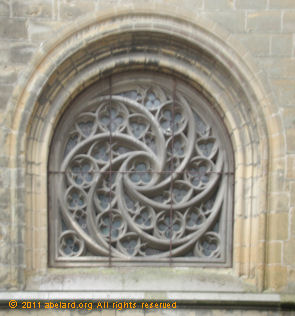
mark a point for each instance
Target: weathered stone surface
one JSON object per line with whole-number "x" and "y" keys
{"x": 281, "y": 4}
{"x": 5, "y": 254}
{"x": 4, "y": 236}
{"x": 5, "y": 94}
{"x": 4, "y": 8}
{"x": 292, "y": 214}
{"x": 70, "y": 10}
{"x": 21, "y": 53}
{"x": 289, "y": 253}
{"x": 5, "y": 54}
{"x": 40, "y": 31}
{"x": 232, "y": 21}
{"x": 33, "y": 8}
{"x": 290, "y": 141}
{"x": 264, "y": 21}
{"x": 279, "y": 202}
{"x": 276, "y": 276}
{"x": 197, "y": 4}
{"x": 290, "y": 174}
{"x": 289, "y": 119}
{"x": 291, "y": 274}
{"x": 289, "y": 21}
{"x": 284, "y": 90}
{"x": 278, "y": 67}
{"x": 277, "y": 226}
{"x": 251, "y": 4}
{"x": 13, "y": 29}
{"x": 274, "y": 252}
{"x": 281, "y": 45}
{"x": 4, "y": 276}
{"x": 258, "y": 44}
{"x": 8, "y": 74}
{"x": 218, "y": 5}
{"x": 292, "y": 192}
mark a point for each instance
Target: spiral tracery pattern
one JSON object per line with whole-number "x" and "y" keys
{"x": 142, "y": 178}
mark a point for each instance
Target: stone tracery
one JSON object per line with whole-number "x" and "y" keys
{"x": 142, "y": 177}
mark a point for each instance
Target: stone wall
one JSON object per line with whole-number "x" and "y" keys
{"x": 260, "y": 32}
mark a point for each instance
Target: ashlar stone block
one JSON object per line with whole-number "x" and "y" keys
{"x": 290, "y": 139}
{"x": 277, "y": 226}
{"x": 4, "y": 8}
{"x": 251, "y": 4}
{"x": 289, "y": 253}
{"x": 281, "y": 45}
{"x": 42, "y": 30}
{"x": 292, "y": 217}
{"x": 32, "y": 8}
{"x": 8, "y": 74}
{"x": 274, "y": 252}
{"x": 13, "y": 29}
{"x": 5, "y": 93}
{"x": 264, "y": 21}
{"x": 279, "y": 202}
{"x": 258, "y": 44}
{"x": 230, "y": 20}
{"x": 276, "y": 276}
{"x": 21, "y": 53}
{"x": 289, "y": 21}
{"x": 218, "y": 5}
{"x": 284, "y": 90}
{"x": 70, "y": 10}
{"x": 281, "y": 4}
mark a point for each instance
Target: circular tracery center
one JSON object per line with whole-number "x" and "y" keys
{"x": 140, "y": 174}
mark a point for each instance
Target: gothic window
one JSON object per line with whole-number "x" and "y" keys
{"x": 140, "y": 172}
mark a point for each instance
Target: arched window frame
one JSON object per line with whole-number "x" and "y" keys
{"x": 40, "y": 100}
{"x": 82, "y": 237}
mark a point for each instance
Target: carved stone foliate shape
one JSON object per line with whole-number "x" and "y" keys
{"x": 139, "y": 172}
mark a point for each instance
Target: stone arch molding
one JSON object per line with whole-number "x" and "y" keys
{"x": 195, "y": 50}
